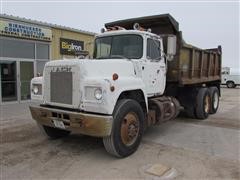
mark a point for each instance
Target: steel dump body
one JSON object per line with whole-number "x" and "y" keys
{"x": 191, "y": 65}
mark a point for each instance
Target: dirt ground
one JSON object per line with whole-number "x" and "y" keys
{"x": 195, "y": 149}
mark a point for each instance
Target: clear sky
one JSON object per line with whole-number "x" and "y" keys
{"x": 204, "y": 24}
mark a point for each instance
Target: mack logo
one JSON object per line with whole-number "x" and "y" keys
{"x": 61, "y": 69}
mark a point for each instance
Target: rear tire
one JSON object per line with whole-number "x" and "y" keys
{"x": 55, "y": 133}
{"x": 203, "y": 103}
{"x": 230, "y": 84}
{"x": 214, "y": 94}
{"x": 127, "y": 130}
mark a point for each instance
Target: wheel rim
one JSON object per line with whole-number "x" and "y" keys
{"x": 129, "y": 129}
{"x": 207, "y": 104}
{"x": 215, "y": 100}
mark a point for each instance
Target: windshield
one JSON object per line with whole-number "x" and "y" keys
{"x": 121, "y": 46}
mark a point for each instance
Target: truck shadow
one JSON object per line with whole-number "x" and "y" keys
{"x": 77, "y": 143}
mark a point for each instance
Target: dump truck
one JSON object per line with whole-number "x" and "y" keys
{"x": 142, "y": 73}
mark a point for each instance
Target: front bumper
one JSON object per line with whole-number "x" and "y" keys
{"x": 83, "y": 123}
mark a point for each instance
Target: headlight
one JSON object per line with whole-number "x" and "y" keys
{"x": 98, "y": 93}
{"x": 35, "y": 89}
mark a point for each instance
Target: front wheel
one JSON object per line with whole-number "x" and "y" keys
{"x": 127, "y": 129}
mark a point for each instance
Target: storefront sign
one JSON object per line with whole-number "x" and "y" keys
{"x": 71, "y": 47}
{"x": 28, "y": 31}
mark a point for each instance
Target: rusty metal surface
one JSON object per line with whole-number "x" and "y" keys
{"x": 198, "y": 65}
{"x": 130, "y": 129}
{"x": 83, "y": 123}
{"x": 162, "y": 109}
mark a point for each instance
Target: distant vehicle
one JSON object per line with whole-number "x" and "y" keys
{"x": 230, "y": 79}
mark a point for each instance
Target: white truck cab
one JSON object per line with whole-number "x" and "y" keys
{"x": 135, "y": 57}
{"x": 143, "y": 49}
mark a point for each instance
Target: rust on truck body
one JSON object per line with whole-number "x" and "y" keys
{"x": 191, "y": 65}
{"x": 83, "y": 123}
{"x": 197, "y": 66}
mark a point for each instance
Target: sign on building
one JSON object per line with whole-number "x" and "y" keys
{"x": 71, "y": 47}
{"x": 23, "y": 30}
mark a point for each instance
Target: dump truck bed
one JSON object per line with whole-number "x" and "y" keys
{"x": 191, "y": 65}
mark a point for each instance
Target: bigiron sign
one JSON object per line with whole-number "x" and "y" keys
{"x": 70, "y": 46}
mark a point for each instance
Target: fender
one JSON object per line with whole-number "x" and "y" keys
{"x": 122, "y": 85}
{"x": 127, "y": 84}
{"x": 110, "y": 96}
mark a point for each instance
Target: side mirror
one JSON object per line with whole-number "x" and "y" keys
{"x": 171, "y": 47}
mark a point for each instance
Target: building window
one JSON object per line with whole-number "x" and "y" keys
{"x": 40, "y": 66}
{"x": 42, "y": 51}
{"x": 17, "y": 49}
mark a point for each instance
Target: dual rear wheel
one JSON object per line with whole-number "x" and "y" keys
{"x": 206, "y": 102}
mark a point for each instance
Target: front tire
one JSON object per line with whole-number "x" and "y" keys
{"x": 127, "y": 129}
{"x": 55, "y": 133}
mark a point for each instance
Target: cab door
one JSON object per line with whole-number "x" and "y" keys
{"x": 154, "y": 68}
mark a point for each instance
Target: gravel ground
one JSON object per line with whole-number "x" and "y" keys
{"x": 195, "y": 149}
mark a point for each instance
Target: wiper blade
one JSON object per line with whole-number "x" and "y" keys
{"x": 113, "y": 57}
{"x": 103, "y": 57}
{"x": 119, "y": 56}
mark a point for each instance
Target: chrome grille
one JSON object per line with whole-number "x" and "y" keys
{"x": 61, "y": 87}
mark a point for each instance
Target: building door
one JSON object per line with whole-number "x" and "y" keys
{"x": 15, "y": 79}
{"x": 8, "y": 81}
{"x": 26, "y": 73}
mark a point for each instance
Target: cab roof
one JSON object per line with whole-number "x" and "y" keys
{"x": 121, "y": 32}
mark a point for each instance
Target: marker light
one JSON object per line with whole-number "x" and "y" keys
{"x": 115, "y": 76}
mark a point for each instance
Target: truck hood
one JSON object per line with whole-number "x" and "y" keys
{"x": 72, "y": 83}
{"x": 103, "y": 68}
